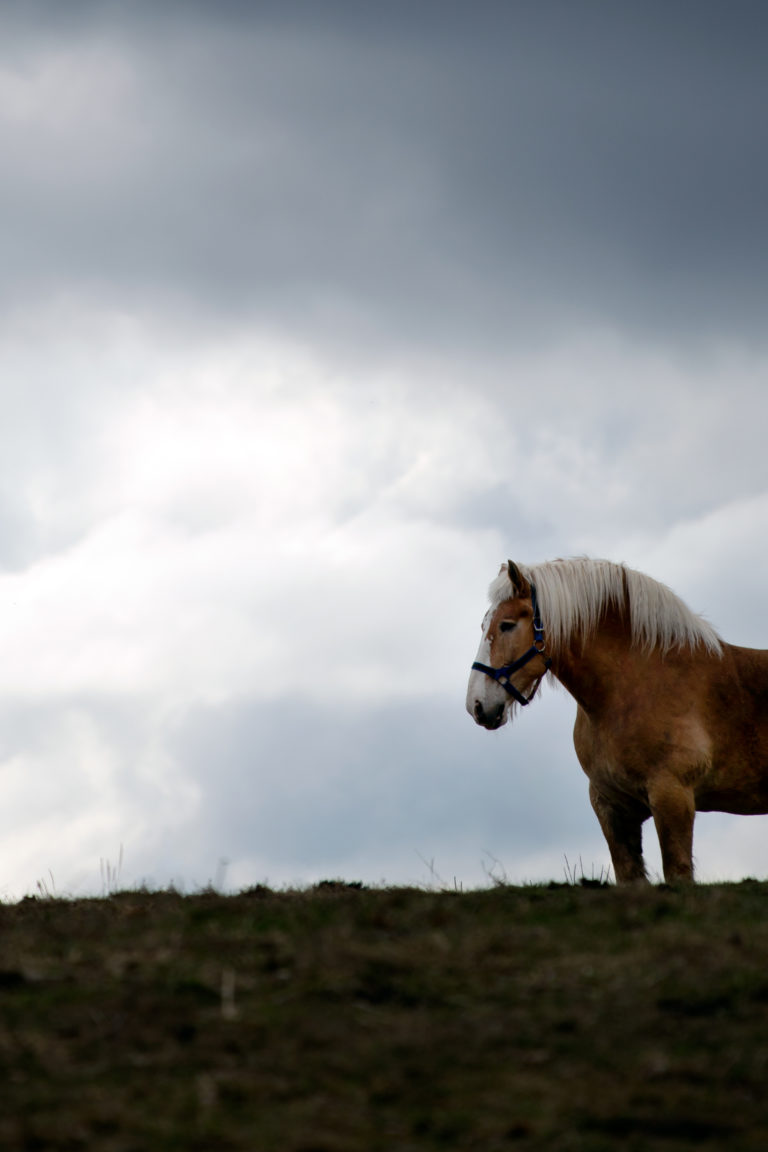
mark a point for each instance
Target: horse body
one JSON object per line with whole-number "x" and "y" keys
{"x": 670, "y": 719}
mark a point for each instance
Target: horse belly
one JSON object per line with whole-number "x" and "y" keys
{"x": 739, "y": 802}
{"x": 737, "y": 784}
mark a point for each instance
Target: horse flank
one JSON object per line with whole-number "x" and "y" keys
{"x": 573, "y": 594}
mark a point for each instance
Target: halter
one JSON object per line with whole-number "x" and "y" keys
{"x": 502, "y": 675}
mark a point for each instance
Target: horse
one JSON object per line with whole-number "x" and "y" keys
{"x": 670, "y": 719}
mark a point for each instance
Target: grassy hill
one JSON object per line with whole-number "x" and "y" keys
{"x": 341, "y": 1019}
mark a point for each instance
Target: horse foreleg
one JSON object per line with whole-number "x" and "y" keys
{"x": 673, "y": 808}
{"x": 623, "y": 830}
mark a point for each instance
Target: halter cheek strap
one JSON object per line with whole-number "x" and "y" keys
{"x": 503, "y": 675}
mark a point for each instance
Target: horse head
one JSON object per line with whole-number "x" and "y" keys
{"x": 510, "y": 660}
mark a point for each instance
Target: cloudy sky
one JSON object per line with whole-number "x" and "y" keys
{"x": 310, "y": 315}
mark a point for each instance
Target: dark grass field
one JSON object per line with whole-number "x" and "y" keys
{"x": 340, "y": 1019}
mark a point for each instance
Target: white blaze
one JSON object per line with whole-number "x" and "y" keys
{"x": 481, "y": 686}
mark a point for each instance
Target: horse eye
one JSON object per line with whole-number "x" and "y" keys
{"x": 507, "y": 625}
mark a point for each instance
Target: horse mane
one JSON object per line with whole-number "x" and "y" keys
{"x": 574, "y": 594}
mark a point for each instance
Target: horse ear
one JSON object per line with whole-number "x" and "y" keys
{"x": 519, "y": 581}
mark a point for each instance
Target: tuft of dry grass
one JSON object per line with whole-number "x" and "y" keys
{"x": 342, "y": 1018}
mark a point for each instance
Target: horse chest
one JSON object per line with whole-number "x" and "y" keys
{"x": 624, "y": 756}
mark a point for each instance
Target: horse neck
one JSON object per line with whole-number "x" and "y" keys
{"x": 592, "y": 667}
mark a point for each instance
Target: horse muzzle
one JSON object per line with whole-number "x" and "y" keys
{"x": 488, "y": 717}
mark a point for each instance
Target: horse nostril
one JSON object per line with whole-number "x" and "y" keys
{"x": 478, "y": 711}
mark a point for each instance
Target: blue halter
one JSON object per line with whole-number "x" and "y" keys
{"x": 502, "y": 675}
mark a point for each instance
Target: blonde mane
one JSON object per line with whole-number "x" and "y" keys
{"x": 573, "y": 595}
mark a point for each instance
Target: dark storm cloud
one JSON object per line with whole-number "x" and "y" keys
{"x": 401, "y": 170}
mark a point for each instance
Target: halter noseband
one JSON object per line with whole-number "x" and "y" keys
{"x": 502, "y": 675}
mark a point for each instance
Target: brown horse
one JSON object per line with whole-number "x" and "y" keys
{"x": 670, "y": 718}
